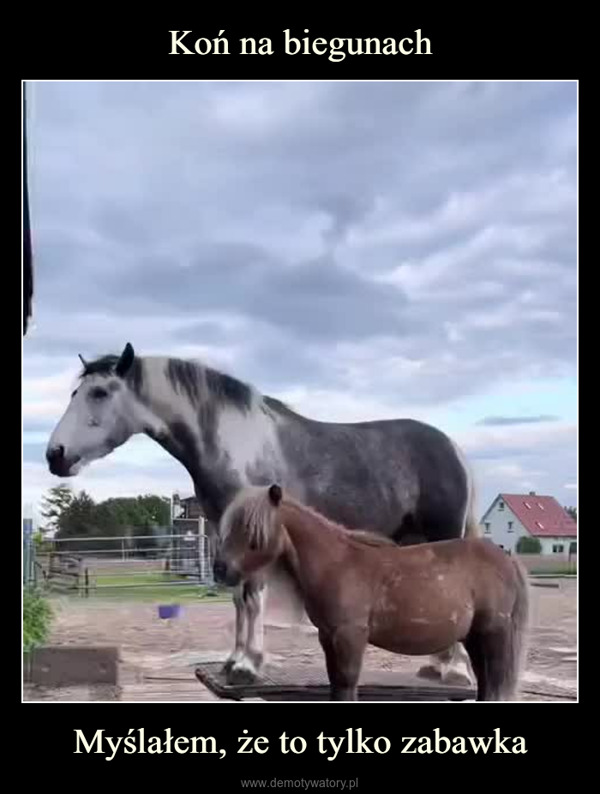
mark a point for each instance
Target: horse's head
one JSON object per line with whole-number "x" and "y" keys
{"x": 100, "y": 417}
{"x": 250, "y": 535}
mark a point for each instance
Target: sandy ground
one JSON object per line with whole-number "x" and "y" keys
{"x": 154, "y": 649}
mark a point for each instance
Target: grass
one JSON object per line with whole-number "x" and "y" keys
{"x": 550, "y": 572}
{"x": 556, "y": 570}
{"x": 153, "y": 587}
{"x": 37, "y": 618}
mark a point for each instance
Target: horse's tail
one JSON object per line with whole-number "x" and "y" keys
{"x": 471, "y": 527}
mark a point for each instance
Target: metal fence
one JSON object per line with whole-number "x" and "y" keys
{"x": 114, "y": 565}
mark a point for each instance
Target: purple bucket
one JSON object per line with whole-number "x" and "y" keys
{"x": 166, "y": 611}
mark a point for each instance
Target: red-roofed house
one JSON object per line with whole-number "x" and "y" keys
{"x": 511, "y": 516}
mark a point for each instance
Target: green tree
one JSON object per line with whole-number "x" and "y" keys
{"x": 112, "y": 518}
{"x": 158, "y": 509}
{"x": 141, "y": 512}
{"x": 54, "y": 505}
{"x": 572, "y": 511}
{"x": 78, "y": 518}
{"x": 71, "y": 515}
{"x": 528, "y": 545}
{"x": 136, "y": 516}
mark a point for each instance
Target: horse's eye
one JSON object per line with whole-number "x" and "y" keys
{"x": 98, "y": 393}
{"x": 252, "y": 545}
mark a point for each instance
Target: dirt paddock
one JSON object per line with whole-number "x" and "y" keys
{"x": 158, "y": 656}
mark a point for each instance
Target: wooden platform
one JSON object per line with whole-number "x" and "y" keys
{"x": 309, "y": 683}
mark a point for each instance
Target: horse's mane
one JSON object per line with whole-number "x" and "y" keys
{"x": 186, "y": 376}
{"x": 103, "y": 365}
{"x": 193, "y": 378}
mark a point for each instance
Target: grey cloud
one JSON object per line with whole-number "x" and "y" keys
{"x": 492, "y": 421}
{"x": 199, "y": 197}
{"x": 316, "y": 299}
{"x": 158, "y": 206}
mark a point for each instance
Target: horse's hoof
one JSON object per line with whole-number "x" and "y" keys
{"x": 430, "y": 672}
{"x": 452, "y": 678}
{"x": 240, "y": 675}
{"x": 227, "y": 666}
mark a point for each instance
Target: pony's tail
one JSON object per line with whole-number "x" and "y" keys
{"x": 519, "y": 629}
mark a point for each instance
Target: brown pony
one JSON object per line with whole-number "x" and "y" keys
{"x": 359, "y": 588}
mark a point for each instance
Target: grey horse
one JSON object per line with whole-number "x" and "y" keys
{"x": 228, "y": 435}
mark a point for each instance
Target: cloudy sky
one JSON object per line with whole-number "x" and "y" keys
{"x": 360, "y": 250}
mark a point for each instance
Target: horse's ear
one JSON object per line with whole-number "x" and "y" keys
{"x": 275, "y": 494}
{"x": 83, "y": 361}
{"x": 125, "y": 361}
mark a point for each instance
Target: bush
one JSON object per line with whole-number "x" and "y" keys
{"x": 37, "y": 617}
{"x": 528, "y": 545}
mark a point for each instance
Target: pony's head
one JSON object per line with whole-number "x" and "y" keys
{"x": 250, "y": 535}
{"x": 100, "y": 416}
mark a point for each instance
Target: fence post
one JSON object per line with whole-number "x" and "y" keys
{"x": 201, "y": 550}
{"x": 28, "y": 550}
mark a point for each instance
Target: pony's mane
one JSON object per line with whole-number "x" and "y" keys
{"x": 362, "y": 536}
{"x": 252, "y": 509}
{"x": 366, "y": 538}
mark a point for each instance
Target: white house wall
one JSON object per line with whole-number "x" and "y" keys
{"x": 549, "y": 543}
{"x": 498, "y": 525}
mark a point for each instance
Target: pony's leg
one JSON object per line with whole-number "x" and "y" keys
{"x": 475, "y": 649}
{"x": 344, "y": 651}
{"x": 451, "y": 666}
{"x": 247, "y": 659}
{"x": 240, "y": 627}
